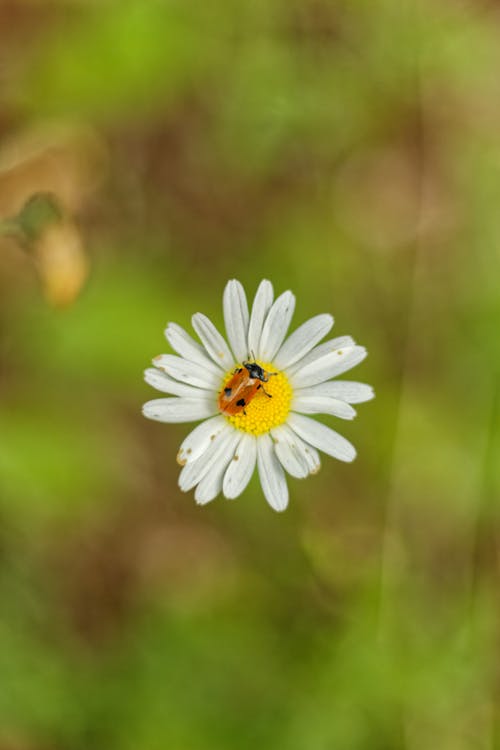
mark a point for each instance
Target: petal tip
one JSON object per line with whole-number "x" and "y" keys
{"x": 146, "y": 409}
{"x": 280, "y": 510}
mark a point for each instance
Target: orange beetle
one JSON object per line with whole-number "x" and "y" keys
{"x": 243, "y": 387}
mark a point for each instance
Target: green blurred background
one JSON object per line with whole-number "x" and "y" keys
{"x": 349, "y": 151}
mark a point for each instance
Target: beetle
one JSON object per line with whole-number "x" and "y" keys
{"x": 242, "y": 388}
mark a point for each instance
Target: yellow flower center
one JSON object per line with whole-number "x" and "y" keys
{"x": 263, "y": 412}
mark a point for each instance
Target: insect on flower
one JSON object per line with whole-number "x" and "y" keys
{"x": 243, "y": 387}
{"x": 252, "y": 412}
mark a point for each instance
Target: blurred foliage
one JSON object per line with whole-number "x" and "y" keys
{"x": 349, "y": 151}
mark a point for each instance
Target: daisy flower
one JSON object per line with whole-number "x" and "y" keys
{"x": 252, "y": 395}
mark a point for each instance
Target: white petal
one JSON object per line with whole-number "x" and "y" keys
{"x": 160, "y": 380}
{"x": 194, "y": 471}
{"x": 312, "y": 457}
{"x": 209, "y": 487}
{"x": 200, "y": 438}
{"x": 214, "y": 343}
{"x": 328, "y": 366}
{"x": 211, "y": 484}
{"x": 188, "y": 372}
{"x": 188, "y": 348}
{"x": 320, "y": 351}
{"x": 261, "y": 306}
{"x": 276, "y": 326}
{"x": 339, "y": 341}
{"x": 272, "y": 476}
{"x": 322, "y": 437}
{"x": 236, "y": 318}
{"x": 241, "y": 468}
{"x": 290, "y": 456}
{"x": 303, "y": 340}
{"x": 349, "y": 391}
{"x": 179, "y": 409}
{"x": 308, "y": 402}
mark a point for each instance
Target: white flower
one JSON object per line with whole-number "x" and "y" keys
{"x": 270, "y": 429}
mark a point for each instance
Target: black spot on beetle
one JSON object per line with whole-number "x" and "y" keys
{"x": 241, "y": 402}
{"x": 228, "y": 391}
{"x": 259, "y": 386}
